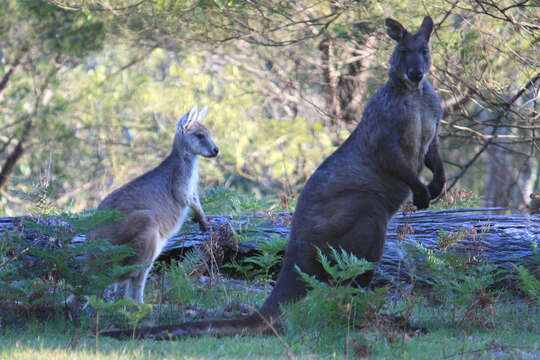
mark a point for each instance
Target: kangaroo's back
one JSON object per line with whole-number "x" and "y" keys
{"x": 352, "y": 195}
{"x": 151, "y": 192}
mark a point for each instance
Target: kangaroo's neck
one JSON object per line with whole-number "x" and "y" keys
{"x": 181, "y": 169}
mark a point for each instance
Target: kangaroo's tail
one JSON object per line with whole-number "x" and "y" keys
{"x": 253, "y": 324}
{"x": 289, "y": 287}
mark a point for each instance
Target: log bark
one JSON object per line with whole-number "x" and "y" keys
{"x": 505, "y": 240}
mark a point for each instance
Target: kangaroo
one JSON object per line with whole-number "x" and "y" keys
{"x": 352, "y": 195}
{"x": 155, "y": 205}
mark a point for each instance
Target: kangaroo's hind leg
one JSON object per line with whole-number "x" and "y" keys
{"x": 138, "y": 283}
{"x": 145, "y": 243}
{"x": 366, "y": 238}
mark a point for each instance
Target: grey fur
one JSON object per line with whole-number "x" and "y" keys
{"x": 155, "y": 204}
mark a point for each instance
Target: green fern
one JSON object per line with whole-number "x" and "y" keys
{"x": 458, "y": 280}
{"x": 220, "y": 200}
{"x": 267, "y": 257}
{"x": 49, "y": 268}
{"x": 529, "y": 284}
{"x": 180, "y": 288}
{"x": 331, "y": 308}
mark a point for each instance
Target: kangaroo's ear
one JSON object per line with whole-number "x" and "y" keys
{"x": 185, "y": 120}
{"x": 394, "y": 29}
{"x": 202, "y": 114}
{"x": 427, "y": 27}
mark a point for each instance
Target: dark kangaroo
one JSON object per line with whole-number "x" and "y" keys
{"x": 350, "y": 198}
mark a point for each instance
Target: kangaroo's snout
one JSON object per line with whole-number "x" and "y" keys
{"x": 415, "y": 75}
{"x": 211, "y": 152}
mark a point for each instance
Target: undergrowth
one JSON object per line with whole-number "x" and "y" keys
{"x": 447, "y": 293}
{"x": 332, "y": 309}
{"x": 45, "y": 270}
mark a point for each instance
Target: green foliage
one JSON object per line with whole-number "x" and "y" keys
{"x": 63, "y": 31}
{"x": 530, "y": 284}
{"x": 466, "y": 285}
{"x": 446, "y": 240}
{"x": 51, "y": 267}
{"x": 180, "y": 287}
{"x": 245, "y": 270}
{"x": 130, "y": 310}
{"x": 332, "y": 308}
{"x": 222, "y": 200}
{"x": 342, "y": 266}
{"x": 259, "y": 266}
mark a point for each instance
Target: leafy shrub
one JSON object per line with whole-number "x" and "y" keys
{"x": 220, "y": 200}
{"x": 49, "y": 267}
{"x": 330, "y": 309}
{"x": 530, "y": 284}
{"x": 259, "y": 266}
{"x": 460, "y": 281}
{"x": 125, "y": 312}
{"x": 180, "y": 288}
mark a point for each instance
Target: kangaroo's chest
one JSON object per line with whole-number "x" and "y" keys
{"x": 191, "y": 188}
{"x": 184, "y": 191}
{"x": 420, "y": 129}
{"x": 185, "y": 187}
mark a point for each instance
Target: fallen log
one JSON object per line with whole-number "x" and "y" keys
{"x": 482, "y": 233}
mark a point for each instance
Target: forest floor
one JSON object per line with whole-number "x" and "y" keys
{"x": 508, "y": 328}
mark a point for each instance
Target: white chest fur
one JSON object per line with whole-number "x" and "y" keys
{"x": 187, "y": 191}
{"x": 417, "y": 136}
{"x": 191, "y": 188}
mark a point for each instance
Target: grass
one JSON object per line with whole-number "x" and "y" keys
{"x": 56, "y": 346}
{"x": 514, "y": 335}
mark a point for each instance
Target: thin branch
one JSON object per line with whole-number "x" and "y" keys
{"x": 65, "y": 6}
{"x": 497, "y": 121}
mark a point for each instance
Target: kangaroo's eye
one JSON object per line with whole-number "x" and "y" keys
{"x": 200, "y": 136}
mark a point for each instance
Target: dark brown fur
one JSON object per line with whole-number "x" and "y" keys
{"x": 350, "y": 198}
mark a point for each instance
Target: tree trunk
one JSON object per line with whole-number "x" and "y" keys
{"x": 13, "y": 158}
{"x": 345, "y": 84}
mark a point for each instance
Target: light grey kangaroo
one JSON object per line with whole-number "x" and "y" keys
{"x": 350, "y": 198}
{"x": 155, "y": 205}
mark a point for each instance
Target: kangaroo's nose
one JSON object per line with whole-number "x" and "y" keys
{"x": 415, "y": 75}
{"x": 215, "y": 151}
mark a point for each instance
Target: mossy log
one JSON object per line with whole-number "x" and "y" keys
{"x": 484, "y": 234}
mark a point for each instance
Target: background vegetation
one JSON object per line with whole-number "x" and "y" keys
{"x": 90, "y": 90}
